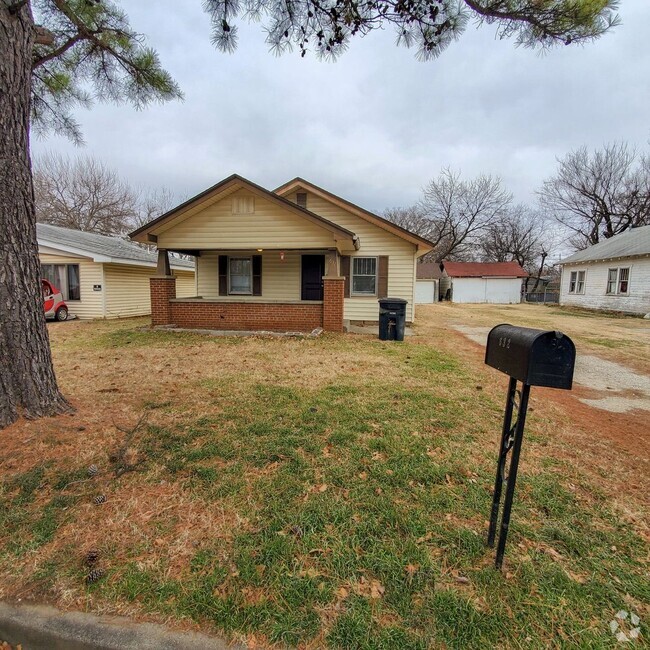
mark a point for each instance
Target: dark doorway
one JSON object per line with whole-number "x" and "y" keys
{"x": 313, "y": 270}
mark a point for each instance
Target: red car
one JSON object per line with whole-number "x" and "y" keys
{"x": 53, "y": 302}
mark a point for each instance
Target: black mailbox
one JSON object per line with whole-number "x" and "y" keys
{"x": 534, "y": 357}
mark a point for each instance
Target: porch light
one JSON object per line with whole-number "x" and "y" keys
{"x": 259, "y": 250}
{"x": 282, "y": 256}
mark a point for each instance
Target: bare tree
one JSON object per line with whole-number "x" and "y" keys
{"x": 83, "y": 194}
{"x": 598, "y": 195}
{"x": 453, "y": 212}
{"x": 521, "y": 235}
{"x": 152, "y": 204}
{"x": 517, "y": 235}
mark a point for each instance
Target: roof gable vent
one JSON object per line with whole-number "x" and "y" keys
{"x": 301, "y": 199}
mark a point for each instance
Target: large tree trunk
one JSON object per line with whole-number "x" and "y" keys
{"x": 27, "y": 381}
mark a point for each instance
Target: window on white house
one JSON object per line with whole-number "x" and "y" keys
{"x": 577, "y": 282}
{"x": 364, "y": 276}
{"x": 240, "y": 275}
{"x": 65, "y": 277}
{"x": 618, "y": 281}
{"x": 612, "y": 276}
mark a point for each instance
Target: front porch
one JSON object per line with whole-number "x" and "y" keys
{"x": 243, "y": 290}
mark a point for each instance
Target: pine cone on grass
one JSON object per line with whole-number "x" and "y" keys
{"x": 99, "y": 499}
{"x": 94, "y": 576}
{"x": 92, "y": 557}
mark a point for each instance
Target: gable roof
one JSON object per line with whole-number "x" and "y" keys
{"x": 483, "y": 269}
{"x": 101, "y": 248}
{"x": 428, "y": 271}
{"x": 229, "y": 183}
{"x": 630, "y": 243}
{"x": 424, "y": 245}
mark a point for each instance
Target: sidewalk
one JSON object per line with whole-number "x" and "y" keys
{"x": 40, "y": 627}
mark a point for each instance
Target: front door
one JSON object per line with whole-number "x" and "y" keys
{"x": 313, "y": 270}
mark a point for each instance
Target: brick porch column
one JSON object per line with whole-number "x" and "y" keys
{"x": 163, "y": 289}
{"x": 333, "y": 290}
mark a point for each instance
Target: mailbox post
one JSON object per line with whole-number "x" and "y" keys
{"x": 534, "y": 358}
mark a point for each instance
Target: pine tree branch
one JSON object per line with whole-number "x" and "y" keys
{"x": 58, "y": 51}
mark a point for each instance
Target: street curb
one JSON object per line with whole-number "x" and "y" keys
{"x": 41, "y": 627}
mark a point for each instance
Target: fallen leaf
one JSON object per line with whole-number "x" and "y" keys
{"x": 376, "y": 589}
{"x": 411, "y": 569}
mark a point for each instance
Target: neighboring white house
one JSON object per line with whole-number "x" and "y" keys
{"x": 427, "y": 288}
{"x": 613, "y": 274}
{"x": 104, "y": 277}
{"x": 479, "y": 282}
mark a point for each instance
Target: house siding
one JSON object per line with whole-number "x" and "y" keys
{"x": 270, "y": 226}
{"x": 280, "y": 278}
{"x": 128, "y": 293}
{"x": 595, "y": 294}
{"x": 375, "y": 241}
{"x": 91, "y": 303}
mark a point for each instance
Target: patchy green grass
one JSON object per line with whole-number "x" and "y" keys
{"x": 357, "y": 515}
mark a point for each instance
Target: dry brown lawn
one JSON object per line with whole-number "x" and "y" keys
{"x": 329, "y": 491}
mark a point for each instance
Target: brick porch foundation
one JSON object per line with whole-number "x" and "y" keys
{"x": 162, "y": 289}
{"x": 198, "y": 313}
{"x": 275, "y": 317}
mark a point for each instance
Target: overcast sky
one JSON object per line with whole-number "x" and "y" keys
{"x": 377, "y": 124}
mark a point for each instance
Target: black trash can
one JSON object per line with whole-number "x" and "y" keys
{"x": 392, "y": 319}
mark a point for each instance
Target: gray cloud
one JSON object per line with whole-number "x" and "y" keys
{"x": 376, "y": 125}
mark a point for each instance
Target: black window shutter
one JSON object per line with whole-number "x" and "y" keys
{"x": 257, "y": 275}
{"x": 382, "y": 277}
{"x": 345, "y": 272}
{"x": 223, "y": 275}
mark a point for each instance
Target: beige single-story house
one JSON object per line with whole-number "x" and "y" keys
{"x": 103, "y": 277}
{"x": 611, "y": 275}
{"x": 292, "y": 259}
{"x": 482, "y": 282}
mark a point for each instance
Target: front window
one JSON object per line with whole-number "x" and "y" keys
{"x": 618, "y": 281}
{"x": 364, "y": 276}
{"x": 240, "y": 275}
{"x": 65, "y": 277}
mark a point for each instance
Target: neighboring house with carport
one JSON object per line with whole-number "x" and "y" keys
{"x": 427, "y": 286}
{"x": 293, "y": 259}
{"x": 611, "y": 275}
{"x": 103, "y": 277}
{"x": 482, "y": 282}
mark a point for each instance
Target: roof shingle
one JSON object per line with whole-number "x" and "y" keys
{"x": 628, "y": 244}
{"x": 95, "y": 244}
{"x": 484, "y": 270}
